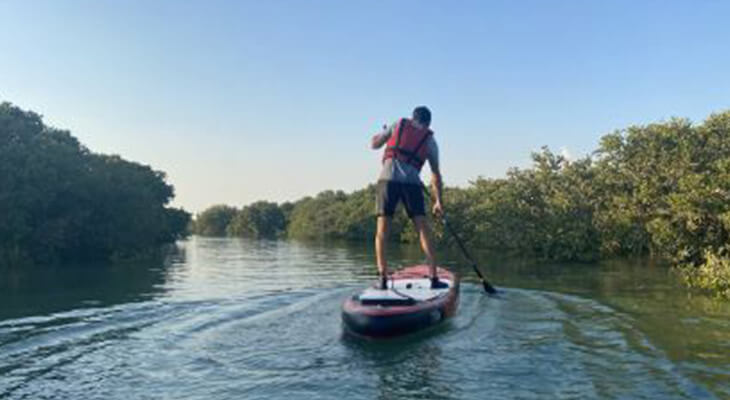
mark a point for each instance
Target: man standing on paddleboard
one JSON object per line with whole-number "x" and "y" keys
{"x": 409, "y": 144}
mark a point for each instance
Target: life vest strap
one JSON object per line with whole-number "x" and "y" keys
{"x": 414, "y": 153}
{"x": 400, "y": 133}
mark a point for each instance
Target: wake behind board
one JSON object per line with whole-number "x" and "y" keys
{"x": 408, "y": 305}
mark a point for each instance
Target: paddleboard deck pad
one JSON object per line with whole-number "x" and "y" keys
{"x": 408, "y": 305}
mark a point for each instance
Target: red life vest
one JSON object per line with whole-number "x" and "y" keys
{"x": 407, "y": 143}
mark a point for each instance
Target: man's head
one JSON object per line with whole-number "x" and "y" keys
{"x": 422, "y": 115}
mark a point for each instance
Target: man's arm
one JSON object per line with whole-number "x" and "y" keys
{"x": 381, "y": 138}
{"x": 437, "y": 191}
{"x": 437, "y": 185}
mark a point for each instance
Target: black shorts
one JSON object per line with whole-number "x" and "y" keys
{"x": 389, "y": 194}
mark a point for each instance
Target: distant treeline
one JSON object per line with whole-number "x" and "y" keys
{"x": 61, "y": 202}
{"x": 329, "y": 215}
{"x": 661, "y": 189}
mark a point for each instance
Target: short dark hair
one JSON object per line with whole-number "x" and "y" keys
{"x": 422, "y": 114}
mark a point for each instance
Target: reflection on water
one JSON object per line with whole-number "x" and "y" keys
{"x": 229, "y": 318}
{"x": 45, "y": 290}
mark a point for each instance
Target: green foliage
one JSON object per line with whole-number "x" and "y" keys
{"x": 667, "y": 190}
{"x": 62, "y": 202}
{"x": 334, "y": 215}
{"x": 214, "y": 220}
{"x": 258, "y": 220}
{"x": 545, "y": 211}
{"x": 669, "y": 183}
{"x": 713, "y": 275}
{"x": 329, "y": 215}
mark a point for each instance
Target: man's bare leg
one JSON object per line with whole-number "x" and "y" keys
{"x": 381, "y": 242}
{"x": 424, "y": 233}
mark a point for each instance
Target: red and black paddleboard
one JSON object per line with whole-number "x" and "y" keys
{"x": 408, "y": 305}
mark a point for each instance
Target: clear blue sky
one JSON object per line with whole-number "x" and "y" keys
{"x": 245, "y": 100}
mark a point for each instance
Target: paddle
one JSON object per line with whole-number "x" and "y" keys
{"x": 487, "y": 286}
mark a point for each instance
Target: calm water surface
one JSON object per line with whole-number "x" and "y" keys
{"x": 236, "y": 319}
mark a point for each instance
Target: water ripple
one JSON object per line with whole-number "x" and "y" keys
{"x": 254, "y": 320}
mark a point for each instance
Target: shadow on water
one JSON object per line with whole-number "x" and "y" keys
{"x": 43, "y": 290}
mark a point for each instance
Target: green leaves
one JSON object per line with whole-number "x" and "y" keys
{"x": 712, "y": 276}
{"x": 214, "y": 220}
{"x": 336, "y": 215}
{"x": 259, "y": 220}
{"x": 61, "y": 202}
{"x": 669, "y": 184}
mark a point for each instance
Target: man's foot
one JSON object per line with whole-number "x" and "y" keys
{"x": 437, "y": 284}
{"x": 382, "y": 282}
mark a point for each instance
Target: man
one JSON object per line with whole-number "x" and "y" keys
{"x": 409, "y": 144}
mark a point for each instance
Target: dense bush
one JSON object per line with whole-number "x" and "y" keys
{"x": 262, "y": 219}
{"x": 545, "y": 211}
{"x": 712, "y": 275}
{"x": 61, "y": 202}
{"x": 214, "y": 220}
{"x": 328, "y": 215}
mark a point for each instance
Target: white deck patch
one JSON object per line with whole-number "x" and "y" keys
{"x": 420, "y": 289}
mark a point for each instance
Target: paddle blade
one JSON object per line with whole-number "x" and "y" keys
{"x": 489, "y": 288}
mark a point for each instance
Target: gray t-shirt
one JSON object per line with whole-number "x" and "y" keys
{"x": 400, "y": 171}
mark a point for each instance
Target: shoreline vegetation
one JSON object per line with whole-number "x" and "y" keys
{"x": 62, "y": 203}
{"x": 660, "y": 190}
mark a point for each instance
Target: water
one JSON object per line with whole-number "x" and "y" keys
{"x": 236, "y": 319}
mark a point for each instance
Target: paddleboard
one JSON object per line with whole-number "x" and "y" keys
{"x": 408, "y": 305}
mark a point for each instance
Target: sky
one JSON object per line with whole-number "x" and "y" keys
{"x": 239, "y": 101}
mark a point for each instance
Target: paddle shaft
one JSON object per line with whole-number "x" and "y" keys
{"x": 487, "y": 286}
